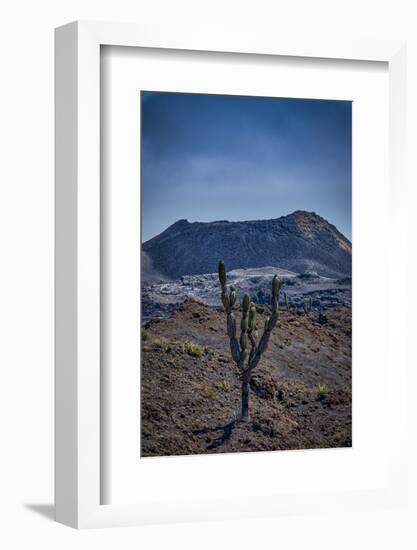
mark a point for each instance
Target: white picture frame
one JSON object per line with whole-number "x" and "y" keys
{"x": 78, "y": 406}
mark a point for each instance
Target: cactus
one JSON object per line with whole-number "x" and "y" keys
{"x": 276, "y": 285}
{"x": 287, "y": 302}
{"x": 245, "y": 303}
{"x": 245, "y": 361}
{"x": 252, "y": 318}
{"x": 244, "y": 324}
{"x": 308, "y": 304}
{"x": 232, "y": 295}
{"x": 222, "y": 274}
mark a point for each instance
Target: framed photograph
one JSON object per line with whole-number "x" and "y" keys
{"x": 225, "y": 346}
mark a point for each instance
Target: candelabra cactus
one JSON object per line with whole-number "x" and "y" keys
{"x": 246, "y": 360}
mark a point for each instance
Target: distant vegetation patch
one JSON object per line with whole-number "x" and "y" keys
{"x": 193, "y": 349}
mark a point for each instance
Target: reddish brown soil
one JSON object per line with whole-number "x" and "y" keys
{"x": 189, "y": 404}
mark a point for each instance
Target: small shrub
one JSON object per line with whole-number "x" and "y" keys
{"x": 223, "y": 385}
{"x": 193, "y": 349}
{"x": 145, "y": 335}
{"x": 157, "y": 342}
{"x": 207, "y": 391}
{"x": 323, "y": 390}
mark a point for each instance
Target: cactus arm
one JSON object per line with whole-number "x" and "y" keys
{"x": 232, "y": 295}
{"x": 228, "y": 301}
{"x": 231, "y": 326}
{"x": 269, "y": 326}
{"x": 231, "y": 332}
{"x": 287, "y": 302}
{"x": 276, "y": 285}
{"x": 225, "y": 300}
{"x": 235, "y": 351}
{"x": 222, "y": 274}
{"x": 264, "y": 341}
{"x": 243, "y": 356}
{"x": 252, "y": 330}
{"x": 244, "y": 324}
{"x": 253, "y": 346}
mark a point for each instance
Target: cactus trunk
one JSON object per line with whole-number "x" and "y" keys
{"x": 245, "y": 401}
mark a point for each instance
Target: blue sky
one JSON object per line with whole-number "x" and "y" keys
{"x": 208, "y": 157}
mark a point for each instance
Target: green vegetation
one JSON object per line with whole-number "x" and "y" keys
{"x": 323, "y": 390}
{"x": 187, "y": 346}
{"x": 193, "y": 349}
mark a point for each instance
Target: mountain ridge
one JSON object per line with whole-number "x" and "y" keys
{"x": 302, "y": 242}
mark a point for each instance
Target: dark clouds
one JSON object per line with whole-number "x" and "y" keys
{"x": 208, "y": 157}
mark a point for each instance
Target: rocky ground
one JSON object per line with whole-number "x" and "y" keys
{"x": 300, "y": 394}
{"x": 160, "y": 298}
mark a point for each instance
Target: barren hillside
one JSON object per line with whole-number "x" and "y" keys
{"x": 300, "y": 393}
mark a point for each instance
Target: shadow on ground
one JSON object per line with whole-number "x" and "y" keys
{"x": 227, "y": 430}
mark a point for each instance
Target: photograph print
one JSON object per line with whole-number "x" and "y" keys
{"x": 246, "y": 274}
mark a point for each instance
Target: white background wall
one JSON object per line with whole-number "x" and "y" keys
{"x": 26, "y": 272}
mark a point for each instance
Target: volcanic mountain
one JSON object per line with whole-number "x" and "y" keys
{"x": 302, "y": 242}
